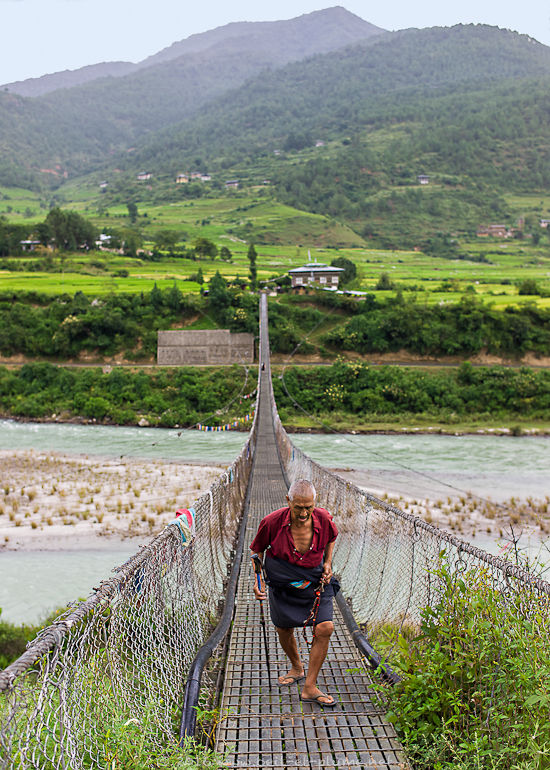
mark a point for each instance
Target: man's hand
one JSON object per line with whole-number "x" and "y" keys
{"x": 260, "y": 595}
{"x": 327, "y": 573}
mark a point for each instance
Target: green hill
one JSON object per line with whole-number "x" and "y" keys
{"x": 393, "y": 79}
{"x": 465, "y": 105}
{"x": 71, "y": 130}
{"x": 344, "y": 134}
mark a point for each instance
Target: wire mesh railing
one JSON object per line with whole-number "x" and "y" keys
{"x": 413, "y": 588}
{"x": 124, "y": 653}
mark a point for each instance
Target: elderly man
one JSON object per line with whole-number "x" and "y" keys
{"x": 298, "y": 542}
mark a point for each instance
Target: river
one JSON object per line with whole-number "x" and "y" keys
{"x": 415, "y": 465}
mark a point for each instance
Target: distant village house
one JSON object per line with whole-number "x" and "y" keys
{"x": 29, "y": 245}
{"x": 315, "y": 275}
{"x": 494, "y": 231}
{"x": 143, "y": 176}
{"x": 104, "y": 241}
{"x": 232, "y": 183}
{"x": 544, "y": 223}
{"x": 423, "y": 179}
{"x": 197, "y": 176}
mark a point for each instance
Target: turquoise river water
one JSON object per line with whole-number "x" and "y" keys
{"x": 33, "y": 582}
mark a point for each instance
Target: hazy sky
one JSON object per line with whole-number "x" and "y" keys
{"x": 40, "y": 36}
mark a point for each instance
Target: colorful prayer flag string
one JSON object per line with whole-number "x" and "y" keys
{"x": 227, "y": 426}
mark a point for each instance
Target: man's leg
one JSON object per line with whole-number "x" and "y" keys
{"x": 317, "y": 655}
{"x": 288, "y": 643}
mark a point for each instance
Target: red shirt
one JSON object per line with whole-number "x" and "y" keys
{"x": 274, "y": 531}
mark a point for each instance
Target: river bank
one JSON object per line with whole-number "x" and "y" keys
{"x": 345, "y": 397}
{"x": 107, "y": 490}
{"x": 52, "y": 502}
{"x": 327, "y": 424}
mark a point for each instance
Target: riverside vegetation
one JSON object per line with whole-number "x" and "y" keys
{"x": 350, "y": 395}
{"x": 474, "y": 692}
{"x": 345, "y": 395}
{"x": 64, "y": 326}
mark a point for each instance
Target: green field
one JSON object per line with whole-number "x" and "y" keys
{"x": 283, "y": 237}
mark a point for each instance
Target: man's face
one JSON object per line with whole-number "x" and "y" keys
{"x": 301, "y": 508}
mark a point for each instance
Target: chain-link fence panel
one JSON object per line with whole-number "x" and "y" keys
{"x": 121, "y": 657}
{"x": 416, "y": 588}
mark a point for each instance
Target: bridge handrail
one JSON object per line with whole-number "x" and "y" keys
{"x": 160, "y": 605}
{"x": 391, "y": 562}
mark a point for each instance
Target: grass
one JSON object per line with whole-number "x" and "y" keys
{"x": 55, "y": 283}
{"x": 121, "y": 738}
{"x": 434, "y": 280}
{"x": 347, "y": 423}
{"x": 475, "y": 692}
{"x": 283, "y": 237}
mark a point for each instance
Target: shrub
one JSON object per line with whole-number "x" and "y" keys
{"x": 475, "y": 689}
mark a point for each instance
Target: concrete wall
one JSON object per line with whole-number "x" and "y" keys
{"x": 217, "y": 346}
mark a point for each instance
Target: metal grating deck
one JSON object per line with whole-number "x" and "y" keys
{"x": 275, "y": 730}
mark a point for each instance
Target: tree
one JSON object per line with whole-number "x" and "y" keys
{"x": 132, "y": 211}
{"x": 155, "y": 297}
{"x": 219, "y": 297}
{"x": 528, "y": 287}
{"x": 70, "y": 230}
{"x": 384, "y": 283}
{"x": 204, "y": 247}
{"x": 297, "y": 141}
{"x": 197, "y": 277}
{"x": 43, "y": 233}
{"x": 350, "y": 270}
{"x": 132, "y": 242}
{"x": 167, "y": 239}
{"x": 252, "y": 272}
{"x": 225, "y": 254}
{"x": 174, "y": 299}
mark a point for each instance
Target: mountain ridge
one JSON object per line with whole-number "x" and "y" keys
{"x": 347, "y": 28}
{"x": 240, "y": 103}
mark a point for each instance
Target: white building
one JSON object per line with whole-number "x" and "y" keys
{"x": 315, "y": 274}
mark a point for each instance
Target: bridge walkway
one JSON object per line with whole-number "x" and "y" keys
{"x": 275, "y": 729}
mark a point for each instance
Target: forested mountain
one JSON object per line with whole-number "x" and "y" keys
{"x": 467, "y": 104}
{"x": 67, "y": 78}
{"x": 291, "y": 40}
{"x": 393, "y": 79}
{"x": 70, "y": 130}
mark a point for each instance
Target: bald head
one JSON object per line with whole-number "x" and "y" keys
{"x": 301, "y": 488}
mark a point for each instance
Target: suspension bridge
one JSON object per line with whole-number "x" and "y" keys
{"x": 176, "y": 632}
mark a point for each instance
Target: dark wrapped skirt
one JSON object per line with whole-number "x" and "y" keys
{"x": 289, "y": 606}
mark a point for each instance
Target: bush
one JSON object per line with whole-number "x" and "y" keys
{"x": 475, "y": 690}
{"x": 528, "y": 287}
{"x": 13, "y": 642}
